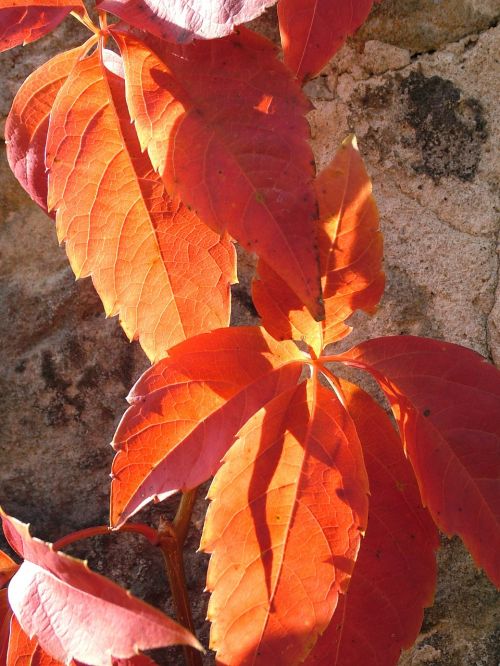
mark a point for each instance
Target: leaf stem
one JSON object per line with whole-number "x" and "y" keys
{"x": 172, "y": 536}
{"x": 86, "y": 21}
{"x": 340, "y": 358}
{"x": 148, "y": 532}
{"x": 334, "y": 383}
{"x": 182, "y": 518}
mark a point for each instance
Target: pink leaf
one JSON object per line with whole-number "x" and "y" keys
{"x": 76, "y": 613}
{"x": 181, "y": 21}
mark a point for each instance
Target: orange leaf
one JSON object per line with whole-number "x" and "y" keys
{"x": 395, "y": 573}
{"x": 350, "y": 245}
{"x": 28, "y": 121}
{"x": 7, "y": 568}
{"x": 313, "y": 30}
{"x": 24, "y": 21}
{"x": 187, "y": 409}
{"x": 25, "y": 651}
{"x": 76, "y": 613}
{"x": 223, "y": 122}
{"x": 288, "y": 505}
{"x": 5, "y": 615}
{"x": 446, "y": 400}
{"x": 151, "y": 260}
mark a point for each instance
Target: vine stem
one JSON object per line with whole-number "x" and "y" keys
{"x": 149, "y": 533}
{"x": 172, "y": 538}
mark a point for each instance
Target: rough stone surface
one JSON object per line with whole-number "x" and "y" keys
{"x": 424, "y": 25}
{"x": 419, "y": 85}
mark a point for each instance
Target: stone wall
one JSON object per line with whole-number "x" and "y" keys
{"x": 419, "y": 85}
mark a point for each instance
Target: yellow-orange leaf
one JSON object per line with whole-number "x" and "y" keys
{"x": 7, "y": 568}
{"x": 223, "y": 123}
{"x": 395, "y": 573}
{"x": 151, "y": 259}
{"x": 350, "y": 245}
{"x": 288, "y": 505}
{"x": 187, "y": 409}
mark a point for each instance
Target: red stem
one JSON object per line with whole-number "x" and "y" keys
{"x": 148, "y": 532}
{"x": 172, "y": 537}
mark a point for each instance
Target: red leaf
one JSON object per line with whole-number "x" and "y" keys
{"x": 313, "y": 30}
{"x": 151, "y": 260}
{"x": 288, "y": 505}
{"x": 181, "y": 21}
{"x": 187, "y": 409}
{"x": 224, "y": 125}
{"x": 28, "y": 121}
{"x": 395, "y": 573}
{"x": 5, "y": 615}
{"x": 446, "y": 400}
{"x": 7, "y": 568}
{"x": 350, "y": 246}
{"x": 75, "y": 613}
{"x": 24, "y": 21}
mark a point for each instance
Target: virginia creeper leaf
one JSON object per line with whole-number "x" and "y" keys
{"x": 28, "y": 121}
{"x": 187, "y": 409}
{"x": 288, "y": 505}
{"x": 223, "y": 122}
{"x": 313, "y": 30}
{"x": 7, "y": 568}
{"x": 446, "y": 400}
{"x": 181, "y": 21}
{"x": 151, "y": 259}
{"x": 76, "y": 613}
{"x": 350, "y": 247}
{"x": 395, "y": 573}
{"x": 25, "y": 651}
{"x": 5, "y": 615}
{"x": 24, "y": 21}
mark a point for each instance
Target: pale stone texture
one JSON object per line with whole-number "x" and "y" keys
{"x": 428, "y": 127}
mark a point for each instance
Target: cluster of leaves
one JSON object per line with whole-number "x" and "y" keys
{"x": 322, "y": 533}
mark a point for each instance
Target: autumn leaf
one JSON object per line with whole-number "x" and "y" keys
{"x": 5, "y": 615}
{"x": 76, "y": 613}
{"x": 223, "y": 123}
{"x": 24, "y": 21}
{"x": 28, "y": 121}
{"x": 395, "y": 573}
{"x": 25, "y": 651}
{"x": 7, "y": 568}
{"x": 350, "y": 247}
{"x": 313, "y": 30}
{"x": 180, "y": 21}
{"x": 152, "y": 260}
{"x": 446, "y": 400}
{"x": 187, "y": 409}
{"x": 283, "y": 527}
